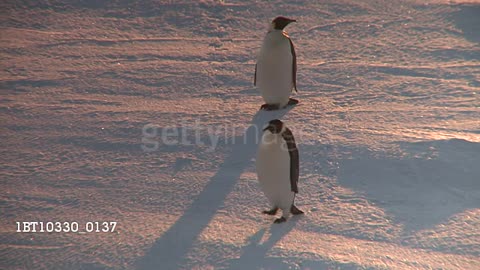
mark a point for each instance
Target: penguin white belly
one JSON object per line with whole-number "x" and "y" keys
{"x": 274, "y": 70}
{"x": 273, "y": 169}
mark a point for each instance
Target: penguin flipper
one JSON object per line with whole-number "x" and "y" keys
{"x": 294, "y": 159}
{"x": 294, "y": 65}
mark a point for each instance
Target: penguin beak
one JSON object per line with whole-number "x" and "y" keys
{"x": 290, "y": 21}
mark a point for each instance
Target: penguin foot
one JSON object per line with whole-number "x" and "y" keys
{"x": 280, "y": 220}
{"x": 292, "y": 101}
{"x": 295, "y": 211}
{"x": 271, "y": 212}
{"x": 269, "y": 107}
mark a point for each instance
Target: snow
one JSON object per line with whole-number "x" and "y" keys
{"x": 145, "y": 113}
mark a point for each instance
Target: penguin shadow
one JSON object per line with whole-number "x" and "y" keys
{"x": 169, "y": 251}
{"x": 254, "y": 255}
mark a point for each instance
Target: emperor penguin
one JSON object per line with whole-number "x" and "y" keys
{"x": 278, "y": 169}
{"x": 276, "y": 67}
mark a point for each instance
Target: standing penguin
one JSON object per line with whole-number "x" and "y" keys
{"x": 276, "y": 68}
{"x": 278, "y": 169}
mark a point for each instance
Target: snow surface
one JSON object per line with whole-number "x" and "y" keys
{"x": 387, "y": 127}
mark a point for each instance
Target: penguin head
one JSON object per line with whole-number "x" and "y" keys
{"x": 281, "y": 22}
{"x": 275, "y": 126}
